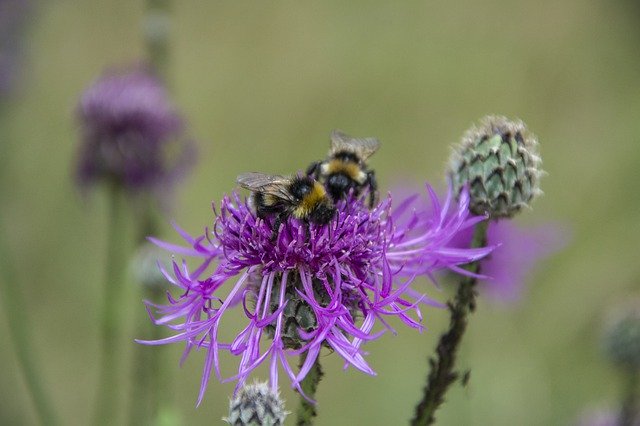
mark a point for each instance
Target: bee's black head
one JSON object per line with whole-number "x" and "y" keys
{"x": 338, "y": 185}
{"x": 322, "y": 213}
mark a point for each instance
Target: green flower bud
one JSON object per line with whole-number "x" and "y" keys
{"x": 256, "y": 405}
{"x": 499, "y": 162}
{"x": 621, "y": 339}
{"x": 144, "y": 266}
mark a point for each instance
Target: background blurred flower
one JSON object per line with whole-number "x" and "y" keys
{"x": 131, "y": 134}
{"x": 312, "y": 286}
{"x": 519, "y": 250}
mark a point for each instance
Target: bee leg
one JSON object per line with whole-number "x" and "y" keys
{"x": 373, "y": 188}
{"x": 314, "y": 169}
{"x": 276, "y": 227}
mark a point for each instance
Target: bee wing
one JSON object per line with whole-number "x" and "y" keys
{"x": 362, "y": 147}
{"x": 275, "y": 185}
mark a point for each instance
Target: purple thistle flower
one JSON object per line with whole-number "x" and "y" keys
{"x": 312, "y": 286}
{"x": 518, "y": 250}
{"x": 131, "y": 133}
{"x": 512, "y": 262}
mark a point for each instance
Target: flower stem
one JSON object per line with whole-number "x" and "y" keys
{"x": 442, "y": 373}
{"x": 156, "y": 35}
{"x": 631, "y": 396}
{"x": 15, "y": 307}
{"x": 307, "y": 410}
{"x": 112, "y": 302}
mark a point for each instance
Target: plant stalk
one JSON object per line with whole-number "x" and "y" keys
{"x": 442, "y": 367}
{"x": 307, "y": 410}
{"x": 111, "y": 327}
{"x": 15, "y": 309}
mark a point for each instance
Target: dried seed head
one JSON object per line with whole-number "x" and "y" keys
{"x": 499, "y": 162}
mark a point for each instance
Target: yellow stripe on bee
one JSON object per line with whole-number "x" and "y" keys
{"x": 352, "y": 170}
{"x": 269, "y": 200}
{"x": 310, "y": 201}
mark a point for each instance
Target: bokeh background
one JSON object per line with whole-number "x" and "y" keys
{"x": 262, "y": 84}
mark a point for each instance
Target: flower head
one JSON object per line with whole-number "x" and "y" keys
{"x": 312, "y": 286}
{"x": 521, "y": 249}
{"x": 256, "y": 405}
{"x": 131, "y": 133}
{"x": 498, "y": 161}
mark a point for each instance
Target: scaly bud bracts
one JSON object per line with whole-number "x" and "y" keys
{"x": 499, "y": 162}
{"x": 256, "y": 405}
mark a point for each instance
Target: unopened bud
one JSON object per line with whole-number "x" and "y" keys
{"x": 499, "y": 162}
{"x": 256, "y": 405}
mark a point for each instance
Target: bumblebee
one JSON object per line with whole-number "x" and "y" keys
{"x": 300, "y": 196}
{"x": 345, "y": 168}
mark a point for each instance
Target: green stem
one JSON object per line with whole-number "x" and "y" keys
{"x": 156, "y": 35}
{"x": 150, "y": 396}
{"x": 442, "y": 373}
{"x": 112, "y": 300}
{"x": 629, "y": 412}
{"x": 15, "y": 309}
{"x": 307, "y": 410}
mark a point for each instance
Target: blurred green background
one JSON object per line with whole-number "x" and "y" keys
{"x": 262, "y": 84}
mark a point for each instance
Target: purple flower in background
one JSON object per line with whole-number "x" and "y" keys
{"x": 13, "y": 14}
{"x": 312, "y": 286}
{"x": 602, "y": 417}
{"x": 518, "y": 250}
{"x": 131, "y": 134}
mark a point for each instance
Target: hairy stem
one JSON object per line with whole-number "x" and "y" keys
{"x": 307, "y": 410}
{"x": 112, "y": 303}
{"x": 442, "y": 367}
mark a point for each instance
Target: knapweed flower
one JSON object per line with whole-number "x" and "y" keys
{"x": 520, "y": 250}
{"x": 498, "y": 161}
{"x": 311, "y": 286}
{"x": 132, "y": 135}
{"x": 256, "y": 405}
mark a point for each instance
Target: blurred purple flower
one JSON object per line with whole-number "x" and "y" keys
{"x": 601, "y": 417}
{"x": 13, "y": 14}
{"x": 131, "y": 134}
{"x": 518, "y": 251}
{"x": 312, "y": 286}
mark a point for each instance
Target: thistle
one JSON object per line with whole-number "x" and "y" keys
{"x": 313, "y": 286}
{"x": 132, "y": 135}
{"x": 499, "y": 162}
